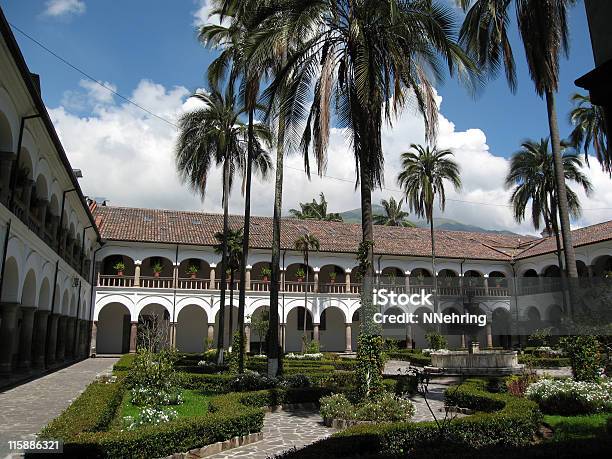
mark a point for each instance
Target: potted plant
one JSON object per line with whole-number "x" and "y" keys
{"x": 192, "y": 270}
{"x": 119, "y": 267}
{"x": 299, "y": 273}
{"x": 332, "y": 277}
{"x": 265, "y": 274}
{"x": 157, "y": 269}
{"x": 420, "y": 279}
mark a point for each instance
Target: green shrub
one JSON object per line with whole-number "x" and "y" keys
{"x": 569, "y": 397}
{"x": 543, "y": 362}
{"x": 125, "y": 362}
{"x": 415, "y": 358}
{"x": 337, "y": 406}
{"x": 92, "y": 411}
{"x": 583, "y": 353}
{"x": 385, "y": 407}
{"x": 216, "y": 383}
{"x": 436, "y": 340}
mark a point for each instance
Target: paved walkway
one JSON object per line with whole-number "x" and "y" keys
{"x": 282, "y": 430}
{"x": 27, "y": 408}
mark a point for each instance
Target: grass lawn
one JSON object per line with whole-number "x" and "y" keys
{"x": 195, "y": 403}
{"x": 577, "y": 427}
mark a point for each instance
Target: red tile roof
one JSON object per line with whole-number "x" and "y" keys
{"x": 198, "y": 228}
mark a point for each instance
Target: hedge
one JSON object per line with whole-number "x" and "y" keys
{"x": 544, "y": 362}
{"x": 505, "y": 421}
{"x": 229, "y": 416}
{"x": 415, "y": 358}
{"x": 125, "y": 362}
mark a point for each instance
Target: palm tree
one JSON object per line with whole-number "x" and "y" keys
{"x": 234, "y": 257}
{"x": 590, "y": 129}
{"x": 315, "y": 211}
{"x": 422, "y": 177}
{"x": 542, "y": 26}
{"x": 232, "y": 40}
{"x": 394, "y": 215}
{"x": 532, "y": 178}
{"x": 306, "y": 243}
{"x": 364, "y": 59}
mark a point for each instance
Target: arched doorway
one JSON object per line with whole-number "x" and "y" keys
{"x": 113, "y": 332}
{"x": 295, "y": 329}
{"x": 191, "y": 329}
{"x": 332, "y": 330}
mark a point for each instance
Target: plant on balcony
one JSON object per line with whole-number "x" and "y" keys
{"x": 157, "y": 269}
{"x": 265, "y": 273}
{"x": 332, "y": 277}
{"x": 299, "y": 273}
{"x": 420, "y": 279}
{"x": 192, "y": 270}
{"x": 119, "y": 267}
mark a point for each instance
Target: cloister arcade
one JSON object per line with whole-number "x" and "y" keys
{"x": 331, "y": 296}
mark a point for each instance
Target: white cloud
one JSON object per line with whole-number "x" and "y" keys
{"x": 127, "y": 156}
{"x": 202, "y": 16}
{"x": 58, "y": 8}
{"x": 91, "y": 95}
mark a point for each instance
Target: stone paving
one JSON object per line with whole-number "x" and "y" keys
{"x": 282, "y": 430}
{"x": 25, "y": 409}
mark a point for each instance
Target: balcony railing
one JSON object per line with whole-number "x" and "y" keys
{"x": 301, "y": 286}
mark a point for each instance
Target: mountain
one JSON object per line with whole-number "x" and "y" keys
{"x": 354, "y": 216}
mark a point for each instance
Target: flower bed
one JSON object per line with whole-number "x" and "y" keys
{"x": 568, "y": 397}
{"x": 385, "y": 408}
{"x": 503, "y": 421}
{"x": 543, "y": 362}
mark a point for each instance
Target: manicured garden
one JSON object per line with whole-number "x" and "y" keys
{"x": 160, "y": 403}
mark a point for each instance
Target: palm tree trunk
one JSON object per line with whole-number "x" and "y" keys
{"x": 570, "y": 255}
{"x": 555, "y": 227}
{"x": 273, "y": 342}
{"x": 305, "y": 302}
{"x": 245, "y": 243}
{"x": 230, "y": 341}
{"x": 367, "y": 232}
{"x": 221, "y": 331}
{"x": 433, "y": 261}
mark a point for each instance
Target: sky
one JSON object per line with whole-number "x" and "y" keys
{"x": 148, "y": 51}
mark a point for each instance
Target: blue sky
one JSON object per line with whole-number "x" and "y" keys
{"x": 124, "y": 42}
{"x": 148, "y": 51}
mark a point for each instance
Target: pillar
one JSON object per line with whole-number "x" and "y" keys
{"x": 137, "y": 265}
{"x": 69, "y": 338}
{"x": 315, "y": 332}
{"x": 60, "y": 351}
{"x": 175, "y": 275}
{"x": 489, "y": 335}
{"x": 25, "y": 337}
{"x": 94, "y": 336}
{"x": 247, "y": 279}
{"x": 43, "y": 215}
{"x": 283, "y": 329}
{"x": 27, "y": 196}
{"x": 348, "y": 337}
{"x": 51, "y": 345}
{"x": 247, "y": 337}
{"x": 315, "y": 280}
{"x": 8, "y": 329}
{"x": 282, "y": 286}
{"x": 212, "y": 275}
{"x": 408, "y": 336}
{"x": 486, "y": 284}
{"x": 347, "y": 281}
{"x": 39, "y": 339}
{"x": 173, "y": 334}
{"x": 133, "y": 336}
{"x": 211, "y": 334}
{"x": 407, "y": 281}
{"x": 462, "y": 341}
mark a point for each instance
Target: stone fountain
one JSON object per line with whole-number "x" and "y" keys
{"x": 475, "y": 362}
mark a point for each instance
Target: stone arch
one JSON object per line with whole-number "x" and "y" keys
{"x": 6, "y": 133}
{"x": 602, "y": 265}
{"x": 42, "y": 188}
{"x": 295, "y": 328}
{"x": 65, "y": 306}
{"x": 292, "y": 271}
{"x": 110, "y": 261}
{"x": 551, "y": 271}
{"x": 11, "y": 282}
{"x": 187, "y": 278}
{"x": 392, "y": 276}
{"x": 148, "y": 264}
{"x": 330, "y": 274}
{"x": 356, "y": 327}
{"x": 331, "y": 329}
{"x": 44, "y": 295}
{"x": 501, "y": 328}
{"x": 191, "y": 329}
{"x": 258, "y": 341}
{"x": 113, "y": 329}
{"x": 160, "y": 301}
{"x": 227, "y": 337}
{"x": 29, "y": 290}
{"x": 420, "y": 277}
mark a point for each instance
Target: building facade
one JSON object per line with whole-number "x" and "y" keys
{"x": 169, "y": 268}
{"x": 47, "y": 233}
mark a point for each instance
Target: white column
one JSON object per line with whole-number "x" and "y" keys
{"x": 137, "y": 265}
{"x": 348, "y": 337}
{"x": 247, "y": 279}
{"x": 316, "y": 279}
{"x": 347, "y": 280}
{"x": 212, "y": 275}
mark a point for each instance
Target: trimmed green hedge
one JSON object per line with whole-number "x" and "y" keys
{"x": 544, "y": 362}
{"x": 415, "y": 358}
{"x": 92, "y": 411}
{"x": 125, "y": 362}
{"x": 229, "y": 415}
{"x": 505, "y": 421}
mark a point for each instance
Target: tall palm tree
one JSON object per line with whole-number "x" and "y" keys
{"x": 315, "y": 211}
{"x": 234, "y": 258}
{"x": 590, "y": 129}
{"x": 422, "y": 177}
{"x": 394, "y": 215}
{"x": 542, "y": 26}
{"x": 216, "y": 135}
{"x": 532, "y": 179}
{"x": 232, "y": 40}
{"x": 305, "y": 244}
{"x": 364, "y": 59}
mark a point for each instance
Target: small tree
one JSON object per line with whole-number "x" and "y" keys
{"x": 260, "y": 324}
{"x": 584, "y": 357}
{"x": 436, "y": 340}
